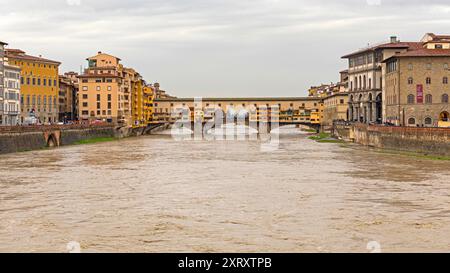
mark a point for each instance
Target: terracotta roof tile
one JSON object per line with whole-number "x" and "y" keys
{"x": 98, "y": 76}
{"x": 386, "y": 45}
{"x": 19, "y": 54}
{"x": 424, "y": 52}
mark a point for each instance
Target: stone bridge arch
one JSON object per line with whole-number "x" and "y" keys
{"x": 52, "y": 138}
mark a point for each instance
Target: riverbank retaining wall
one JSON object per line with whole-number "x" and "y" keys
{"x": 26, "y": 138}
{"x": 434, "y": 141}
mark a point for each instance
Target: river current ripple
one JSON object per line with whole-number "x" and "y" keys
{"x": 155, "y": 194}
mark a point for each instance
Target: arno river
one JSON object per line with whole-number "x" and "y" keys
{"x": 154, "y": 194}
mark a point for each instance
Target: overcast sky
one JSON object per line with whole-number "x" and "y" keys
{"x": 218, "y": 47}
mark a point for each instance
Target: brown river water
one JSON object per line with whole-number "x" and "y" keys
{"x": 154, "y": 194}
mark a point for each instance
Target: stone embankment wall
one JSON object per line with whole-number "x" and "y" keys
{"x": 434, "y": 141}
{"x": 26, "y": 138}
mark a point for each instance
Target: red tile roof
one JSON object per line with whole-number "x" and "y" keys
{"x": 439, "y": 37}
{"x": 385, "y": 46}
{"x": 424, "y": 52}
{"x": 104, "y": 75}
{"x": 19, "y": 54}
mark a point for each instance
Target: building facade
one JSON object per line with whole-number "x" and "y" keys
{"x": 68, "y": 90}
{"x": 2, "y": 73}
{"x": 417, "y": 84}
{"x": 110, "y": 92}
{"x": 39, "y": 85}
{"x": 161, "y": 94}
{"x": 11, "y": 99}
{"x": 73, "y": 77}
{"x": 149, "y": 96}
{"x": 366, "y": 78}
{"x": 104, "y": 92}
{"x": 335, "y": 108}
{"x": 137, "y": 99}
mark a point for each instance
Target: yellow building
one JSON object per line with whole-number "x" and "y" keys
{"x": 317, "y": 113}
{"x": 149, "y": 94}
{"x": 138, "y": 101}
{"x": 39, "y": 85}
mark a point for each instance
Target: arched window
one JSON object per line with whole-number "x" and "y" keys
{"x": 428, "y": 80}
{"x": 411, "y": 121}
{"x": 429, "y": 98}
{"x": 444, "y": 116}
{"x": 410, "y": 80}
{"x": 370, "y": 83}
{"x": 445, "y": 98}
{"x": 360, "y": 82}
{"x": 445, "y": 80}
{"x": 364, "y": 82}
{"x": 428, "y": 121}
{"x": 411, "y": 99}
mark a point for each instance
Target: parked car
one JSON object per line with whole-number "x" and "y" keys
{"x": 31, "y": 121}
{"x": 97, "y": 122}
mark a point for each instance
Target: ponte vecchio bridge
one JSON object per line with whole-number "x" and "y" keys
{"x": 282, "y": 110}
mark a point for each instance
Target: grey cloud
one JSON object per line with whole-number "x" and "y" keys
{"x": 218, "y": 47}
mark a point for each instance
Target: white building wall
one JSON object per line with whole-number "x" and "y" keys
{"x": 11, "y": 99}
{"x": 2, "y": 91}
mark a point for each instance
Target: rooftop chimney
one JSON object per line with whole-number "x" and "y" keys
{"x": 394, "y": 39}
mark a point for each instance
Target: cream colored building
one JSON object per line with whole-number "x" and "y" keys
{"x": 11, "y": 102}
{"x": 9, "y": 90}
{"x": 2, "y": 77}
{"x": 366, "y": 79}
{"x": 335, "y": 108}
{"x": 417, "y": 84}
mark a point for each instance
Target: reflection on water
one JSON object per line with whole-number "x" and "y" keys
{"x": 155, "y": 194}
{"x": 232, "y": 129}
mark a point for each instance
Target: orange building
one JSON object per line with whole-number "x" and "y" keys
{"x": 104, "y": 92}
